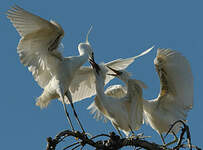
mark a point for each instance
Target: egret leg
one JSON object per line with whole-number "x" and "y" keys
{"x": 174, "y": 141}
{"x": 75, "y": 114}
{"x": 119, "y": 132}
{"x": 115, "y": 126}
{"x": 133, "y": 133}
{"x": 67, "y": 115}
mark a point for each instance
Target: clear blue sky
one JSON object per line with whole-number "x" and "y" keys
{"x": 120, "y": 29}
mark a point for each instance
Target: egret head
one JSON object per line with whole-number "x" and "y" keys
{"x": 85, "y": 47}
{"x": 121, "y": 74}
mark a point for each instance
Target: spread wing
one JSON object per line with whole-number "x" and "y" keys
{"x": 83, "y": 84}
{"x": 176, "y": 93}
{"x": 122, "y": 63}
{"x": 38, "y": 45}
{"x": 97, "y": 109}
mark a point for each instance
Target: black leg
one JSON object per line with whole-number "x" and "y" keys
{"x": 119, "y": 132}
{"x": 131, "y": 130}
{"x": 76, "y": 116}
{"x": 67, "y": 115}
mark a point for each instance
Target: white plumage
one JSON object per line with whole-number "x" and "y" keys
{"x": 83, "y": 84}
{"x": 176, "y": 92}
{"x": 175, "y": 98}
{"x": 121, "y": 106}
{"x": 38, "y": 50}
{"x": 116, "y": 91}
{"x": 60, "y": 77}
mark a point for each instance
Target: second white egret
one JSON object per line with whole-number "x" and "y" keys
{"x": 124, "y": 112}
{"x": 176, "y": 93}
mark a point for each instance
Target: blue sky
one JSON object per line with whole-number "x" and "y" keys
{"x": 120, "y": 29}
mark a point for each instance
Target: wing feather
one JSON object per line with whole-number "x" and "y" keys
{"x": 38, "y": 46}
{"x": 25, "y": 22}
{"x": 96, "y": 108}
{"x": 116, "y": 91}
{"x": 98, "y": 115}
{"x": 121, "y": 64}
{"x": 176, "y": 93}
{"x": 83, "y": 84}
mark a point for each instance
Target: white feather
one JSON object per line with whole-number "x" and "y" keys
{"x": 83, "y": 84}
{"x": 123, "y": 107}
{"x": 176, "y": 92}
{"x": 38, "y": 50}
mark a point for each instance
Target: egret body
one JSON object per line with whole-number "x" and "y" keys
{"x": 124, "y": 112}
{"x": 176, "y": 92}
{"x": 38, "y": 50}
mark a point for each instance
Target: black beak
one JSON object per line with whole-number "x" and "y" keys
{"x": 117, "y": 73}
{"x": 94, "y": 64}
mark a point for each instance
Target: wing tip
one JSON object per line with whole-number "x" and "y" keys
{"x": 13, "y": 10}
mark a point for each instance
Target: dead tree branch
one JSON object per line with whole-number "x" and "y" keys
{"x": 114, "y": 142}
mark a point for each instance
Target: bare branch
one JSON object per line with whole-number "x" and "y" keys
{"x": 114, "y": 142}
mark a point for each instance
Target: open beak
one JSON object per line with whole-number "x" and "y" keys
{"x": 93, "y": 64}
{"x": 117, "y": 73}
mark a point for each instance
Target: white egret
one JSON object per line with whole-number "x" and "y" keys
{"x": 124, "y": 112}
{"x": 61, "y": 77}
{"x": 38, "y": 50}
{"x": 176, "y": 93}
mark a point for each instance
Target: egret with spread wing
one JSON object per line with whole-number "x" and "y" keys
{"x": 176, "y": 93}
{"x": 124, "y": 112}
{"x": 61, "y": 77}
{"x": 38, "y": 50}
